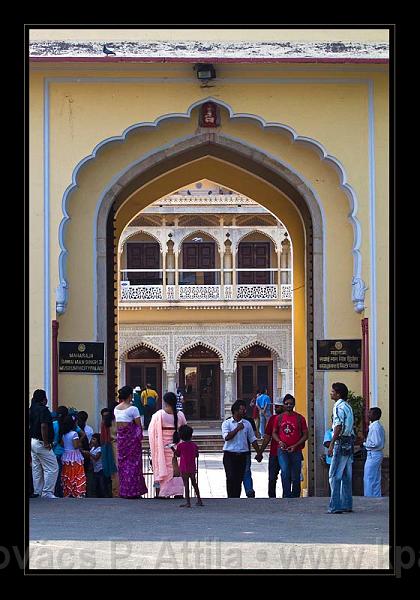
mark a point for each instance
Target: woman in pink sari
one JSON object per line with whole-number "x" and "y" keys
{"x": 163, "y": 431}
{"x": 129, "y": 436}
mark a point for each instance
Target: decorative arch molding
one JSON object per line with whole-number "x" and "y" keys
{"x": 126, "y": 347}
{"x": 196, "y": 343}
{"x": 124, "y": 238}
{"x": 282, "y": 363}
{"x": 256, "y": 230}
{"x": 178, "y": 245}
{"x": 358, "y": 285}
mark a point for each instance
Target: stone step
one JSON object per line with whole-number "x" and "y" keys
{"x": 212, "y": 425}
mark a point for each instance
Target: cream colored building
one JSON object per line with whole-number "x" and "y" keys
{"x": 301, "y": 135}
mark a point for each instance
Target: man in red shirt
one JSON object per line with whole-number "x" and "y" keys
{"x": 273, "y": 461}
{"x": 291, "y": 433}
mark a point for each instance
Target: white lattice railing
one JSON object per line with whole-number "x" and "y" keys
{"x": 141, "y": 293}
{"x": 171, "y": 292}
{"x": 257, "y": 292}
{"x": 228, "y": 292}
{"x": 199, "y": 292}
{"x": 285, "y": 291}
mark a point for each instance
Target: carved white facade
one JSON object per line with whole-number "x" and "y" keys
{"x": 225, "y": 218}
{"x": 225, "y": 339}
{"x": 208, "y": 213}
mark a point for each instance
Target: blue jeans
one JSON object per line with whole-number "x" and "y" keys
{"x": 341, "y": 470}
{"x": 273, "y": 473}
{"x": 247, "y": 480}
{"x": 263, "y": 422}
{"x": 290, "y": 467}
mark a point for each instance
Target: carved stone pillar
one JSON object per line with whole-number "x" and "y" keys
{"x": 228, "y": 399}
{"x": 280, "y": 384}
{"x": 171, "y": 381}
{"x": 164, "y": 274}
{"x": 170, "y": 265}
{"x": 227, "y": 258}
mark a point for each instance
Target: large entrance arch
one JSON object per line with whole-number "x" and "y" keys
{"x": 268, "y": 162}
{"x": 267, "y": 181}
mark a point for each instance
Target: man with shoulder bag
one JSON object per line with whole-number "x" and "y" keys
{"x": 341, "y": 450}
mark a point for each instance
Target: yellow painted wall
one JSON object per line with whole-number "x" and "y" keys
{"x": 183, "y": 315}
{"x": 332, "y": 112}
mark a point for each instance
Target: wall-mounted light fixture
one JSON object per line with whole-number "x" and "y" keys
{"x": 205, "y": 72}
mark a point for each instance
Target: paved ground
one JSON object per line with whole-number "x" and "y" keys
{"x": 243, "y": 533}
{"x": 212, "y": 480}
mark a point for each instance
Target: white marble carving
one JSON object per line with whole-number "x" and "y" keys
{"x": 285, "y": 292}
{"x": 257, "y": 292}
{"x": 141, "y": 293}
{"x": 199, "y": 292}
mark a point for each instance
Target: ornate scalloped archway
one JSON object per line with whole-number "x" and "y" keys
{"x": 256, "y": 230}
{"x": 239, "y": 156}
{"x": 124, "y": 239}
{"x": 200, "y": 152}
{"x": 123, "y": 355}
{"x": 257, "y": 342}
{"x": 200, "y": 343}
{"x": 191, "y": 233}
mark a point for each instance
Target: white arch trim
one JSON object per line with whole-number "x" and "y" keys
{"x": 358, "y": 285}
{"x": 194, "y": 345}
{"x": 148, "y": 345}
{"x": 256, "y": 342}
{"x": 191, "y": 233}
{"x": 124, "y": 240}
{"x": 256, "y": 230}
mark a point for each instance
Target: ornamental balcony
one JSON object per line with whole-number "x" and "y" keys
{"x": 146, "y": 287}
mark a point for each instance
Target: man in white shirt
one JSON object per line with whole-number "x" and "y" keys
{"x": 374, "y": 445}
{"x": 237, "y": 432}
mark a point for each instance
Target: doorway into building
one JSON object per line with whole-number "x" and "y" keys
{"x": 144, "y": 366}
{"x": 255, "y": 371}
{"x": 258, "y": 374}
{"x": 199, "y": 380}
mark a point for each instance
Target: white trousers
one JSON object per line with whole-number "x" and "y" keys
{"x": 44, "y": 469}
{"x": 372, "y": 473}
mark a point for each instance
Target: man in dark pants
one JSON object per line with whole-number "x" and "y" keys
{"x": 247, "y": 481}
{"x": 273, "y": 461}
{"x": 237, "y": 433}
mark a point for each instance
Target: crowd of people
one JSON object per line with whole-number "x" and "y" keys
{"x": 70, "y": 460}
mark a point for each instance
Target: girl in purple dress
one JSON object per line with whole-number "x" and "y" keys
{"x": 129, "y": 436}
{"x": 188, "y": 452}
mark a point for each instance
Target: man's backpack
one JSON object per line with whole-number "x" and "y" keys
{"x": 151, "y": 401}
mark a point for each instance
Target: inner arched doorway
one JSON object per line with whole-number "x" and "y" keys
{"x": 199, "y": 381}
{"x": 144, "y": 365}
{"x": 273, "y": 186}
{"x": 254, "y": 372}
